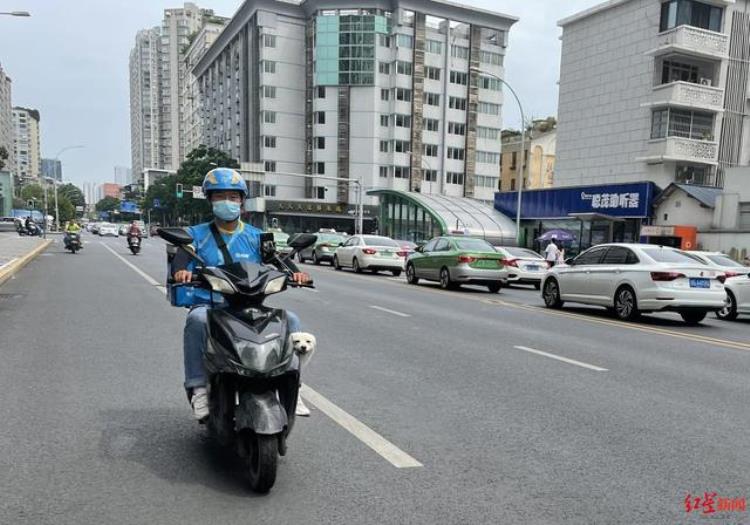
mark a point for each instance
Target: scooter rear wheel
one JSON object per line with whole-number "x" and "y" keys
{"x": 262, "y": 461}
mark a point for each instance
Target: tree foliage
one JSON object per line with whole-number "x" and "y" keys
{"x": 108, "y": 204}
{"x": 73, "y": 193}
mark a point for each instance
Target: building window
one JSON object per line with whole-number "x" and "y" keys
{"x": 685, "y": 174}
{"x": 459, "y": 77}
{"x": 513, "y": 160}
{"x": 456, "y": 153}
{"x": 744, "y": 209}
{"x": 483, "y": 181}
{"x": 431, "y": 124}
{"x": 269, "y": 166}
{"x": 401, "y": 146}
{"x": 430, "y": 150}
{"x": 384, "y": 120}
{"x": 403, "y": 94}
{"x": 488, "y": 57}
{"x": 384, "y": 40}
{"x": 384, "y": 146}
{"x": 402, "y": 121}
{"x": 487, "y": 133}
{"x": 269, "y": 66}
{"x": 489, "y": 83}
{"x": 319, "y": 168}
{"x": 432, "y": 99}
{"x": 319, "y": 192}
{"x": 384, "y": 94}
{"x": 454, "y": 177}
{"x": 269, "y": 40}
{"x": 404, "y": 40}
{"x": 433, "y": 73}
{"x": 320, "y": 117}
{"x": 676, "y": 13}
{"x": 384, "y": 68}
{"x": 269, "y": 117}
{"x": 488, "y": 108}
{"x": 512, "y": 184}
{"x": 433, "y": 46}
{"x": 401, "y": 172}
{"x": 429, "y": 175}
{"x": 460, "y": 52}
{"x": 456, "y": 128}
{"x": 383, "y": 171}
{"x": 269, "y": 91}
{"x": 682, "y": 123}
{"x": 321, "y": 92}
{"x": 488, "y": 157}
{"x": 672, "y": 71}
{"x": 403, "y": 68}
{"x": 320, "y": 142}
{"x": 269, "y": 190}
{"x": 269, "y": 142}
{"x": 457, "y": 103}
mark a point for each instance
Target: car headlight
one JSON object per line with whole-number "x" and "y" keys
{"x": 220, "y": 285}
{"x": 275, "y": 285}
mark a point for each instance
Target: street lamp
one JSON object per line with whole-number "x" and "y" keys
{"x": 57, "y": 158}
{"x": 16, "y": 13}
{"x": 523, "y": 147}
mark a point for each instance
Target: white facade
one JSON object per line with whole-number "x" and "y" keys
{"x": 26, "y": 146}
{"x": 123, "y": 175}
{"x": 7, "y": 129}
{"x": 144, "y": 100}
{"x": 265, "y": 100}
{"x": 651, "y": 90}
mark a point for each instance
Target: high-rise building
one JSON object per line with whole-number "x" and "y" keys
{"x": 52, "y": 169}
{"x": 402, "y": 96}
{"x": 654, "y": 90}
{"x": 26, "y": 147}
{"x": 123, "y": 175}
{"x": 144, "y": 100}
{"x": 7, "y": 130}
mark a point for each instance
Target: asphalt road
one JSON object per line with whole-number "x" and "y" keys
{"x": 96, "y": 428}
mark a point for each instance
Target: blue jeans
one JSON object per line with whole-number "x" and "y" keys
{"x": 195, "y": 340}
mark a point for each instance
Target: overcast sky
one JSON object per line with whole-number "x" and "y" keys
{"x": 70, "y": 61}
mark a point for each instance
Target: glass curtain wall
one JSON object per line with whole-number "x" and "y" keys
{"x": 403, "y": 219}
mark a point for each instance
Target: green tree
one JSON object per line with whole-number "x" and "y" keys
{"x": 32, "y": 191}
{"x": 108, "y": 204}
{"x": 72, "y": 193}
{"x": 67, "y": 209}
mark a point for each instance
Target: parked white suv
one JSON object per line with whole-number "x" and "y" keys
{"x": 632, "y": 279}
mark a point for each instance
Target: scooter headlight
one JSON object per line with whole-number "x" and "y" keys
{"x": 220, "y": 285}
{"x": 275, "y": 285}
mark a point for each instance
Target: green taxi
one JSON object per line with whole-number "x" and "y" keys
{"x": 281, "y": 240}
{"x": 453, "y": 261}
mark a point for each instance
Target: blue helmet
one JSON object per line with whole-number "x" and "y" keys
{"x": 224, "y": 179}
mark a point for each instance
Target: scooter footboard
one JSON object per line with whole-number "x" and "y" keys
{"x": 261, "y": 413}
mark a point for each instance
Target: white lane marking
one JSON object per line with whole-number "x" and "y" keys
{"x": 563, "y": 359}
{"x": 150, "y": 280}
{"x": 387, "y": 310}
{"x": 387, "y": 450}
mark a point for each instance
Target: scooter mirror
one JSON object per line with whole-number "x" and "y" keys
{"x": 267, "y": 247}
{"x": 176, "y": 236}
{"x": 302, "y": 241}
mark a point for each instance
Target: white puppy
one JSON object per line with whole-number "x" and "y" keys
{"x": 304, "y": 344}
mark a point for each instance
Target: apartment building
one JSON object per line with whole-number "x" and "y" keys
{"x": 144, "y": 100}
{"x": 539, "y": 146}
{"x": 654, "y": 91}
{"x": 399, "y": 95}
{"x": 26, "y": 146}
{"x": 7, "y": 130}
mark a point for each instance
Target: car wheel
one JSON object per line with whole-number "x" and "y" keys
{"x": 396, "y": 273}
{"x": 336, "y": 265}
{"x": 626, "y": 306}
{"x": 551, "y": 294}
{"x": 355, "y": 266}
{"x": 693, "y": 318}
{"x": 315, "y": 258}
{"x": 445, "y": 279}
{"x": 300, "y": 258}
{"x": 729, "y": 312}
{"x": 494, "y": 287}
{"x": 411, "y": 275}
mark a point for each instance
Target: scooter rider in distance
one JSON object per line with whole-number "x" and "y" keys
{"x": 224, "y": 240}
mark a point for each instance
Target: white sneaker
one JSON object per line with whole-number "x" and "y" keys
{"x": 199, "y": 402}
{"x": 302, "y": 409}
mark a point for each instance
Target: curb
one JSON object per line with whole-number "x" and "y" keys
{"x": 16, "y": 265}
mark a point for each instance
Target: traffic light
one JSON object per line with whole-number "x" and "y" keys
{"x": 178, "y": 188}
{"x": 30, "y": 203}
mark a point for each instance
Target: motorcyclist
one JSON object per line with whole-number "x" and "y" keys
{"x": 226, "y": 190}
{"x": 71, "y": 227}
{"x": 134, "y": 230}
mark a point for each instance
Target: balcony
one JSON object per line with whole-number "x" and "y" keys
{"x": 692, "y": 41}
{"x": 682, "y": 150}
{"x": 688, "y": 95}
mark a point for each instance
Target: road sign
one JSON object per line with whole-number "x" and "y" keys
{"x": 79, "y": 208}
{"x": 156, "y": 203}
{"x": 198, "y": 192}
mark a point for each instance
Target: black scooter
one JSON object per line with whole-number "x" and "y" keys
{"x": 73, "y": 242}
{"x": 253, "y": 370}
{"x": 134, "y": 243}
{"x": 32, "y": 231}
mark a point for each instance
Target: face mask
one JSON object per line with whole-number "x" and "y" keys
{"x": 226, "y": 210}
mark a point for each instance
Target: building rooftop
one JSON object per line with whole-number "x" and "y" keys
{"x": 706, "y": 195}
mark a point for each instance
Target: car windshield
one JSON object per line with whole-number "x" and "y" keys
{"x": 666, "y": 255}
{"x": 371, "y": 240}
{"x": 329, "y": 238}
{"x": 723, "y": 260}
{"x": 474, "y": 245}
{"x": 523, "y": 252}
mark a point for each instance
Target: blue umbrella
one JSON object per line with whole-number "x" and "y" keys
{"x": 560, "y": 235}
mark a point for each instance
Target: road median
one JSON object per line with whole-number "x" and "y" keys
{"x": 22, "y": 258}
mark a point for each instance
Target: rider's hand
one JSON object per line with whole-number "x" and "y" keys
{"x": 183, "y": 276}
{"x": 301, "y": 278}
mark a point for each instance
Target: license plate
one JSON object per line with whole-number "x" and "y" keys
{"x": 700, "y": 283}
{"x": 386, "y": 252}
{"x": 487, "y": 263}
{"x": 532, "y": 268}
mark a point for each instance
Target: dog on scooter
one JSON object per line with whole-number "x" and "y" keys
{"x": 304, "y": 344}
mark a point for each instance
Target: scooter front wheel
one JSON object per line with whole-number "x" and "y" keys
{"x": 262, "y": 461}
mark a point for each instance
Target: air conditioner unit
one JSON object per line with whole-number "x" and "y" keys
{"x": 705, "y": 81}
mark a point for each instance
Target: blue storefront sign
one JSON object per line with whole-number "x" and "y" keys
{"x": 631, "y": 200}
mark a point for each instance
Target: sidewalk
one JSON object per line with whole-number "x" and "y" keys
{"x": 16, "y": 252}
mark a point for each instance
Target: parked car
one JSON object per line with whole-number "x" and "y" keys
{"x": 632, "y": 279}
{"x": 453, "y": 261}
{"x": 123, "y": 229}
{"x": 323, "y": 249}
{"x": 407, "y": 246}
{"x": 93, "y": 227}
{"x": 370, "y": 252}
{"x": 281, "y": 240}
{"x": 721, "y": 261}
{"x": 524, "y": 266}
{"x": 738, "y": 296}
{"x": 107, "y": 229}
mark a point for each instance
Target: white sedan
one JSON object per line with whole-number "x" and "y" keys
{"x": 524, "y": 266}
{"x": 107, "y": 229}
{"x": 720, "y": 261}
{"x": 738, "y": 295}
{"x": 631, "y": 279}
{"x": 370, "y": 252}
